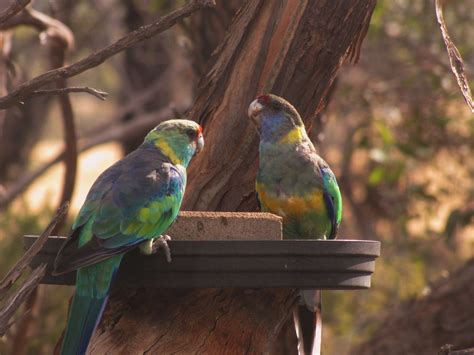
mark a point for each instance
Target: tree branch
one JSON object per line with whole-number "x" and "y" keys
{"x": 102, "y": 55}
{"x": 13, "y": 9}
{"x": 26, "y": 259}
{"x": 57, "y": 54}
{"x": 17, "y": 298}
{"x": 101, "y": 95}
{"x": 455, "y": 59}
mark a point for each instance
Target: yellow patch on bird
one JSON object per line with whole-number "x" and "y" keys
{"x": 132, "y": 228}
{"x": 156, "y": 209}
{"x": 293, "y": 136}
{"x": 294, "y": 205}
{"x": 168, "y": 151}
{"x": 317, "y": 200}
{"x": 144, "y": 214}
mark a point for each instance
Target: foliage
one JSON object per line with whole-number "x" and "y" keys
{"x": 406, "y": 133}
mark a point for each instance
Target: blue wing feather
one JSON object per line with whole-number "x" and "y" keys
{"x": 114, "y": 202}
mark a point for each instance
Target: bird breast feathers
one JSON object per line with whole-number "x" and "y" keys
{"x": 291, "y": 205}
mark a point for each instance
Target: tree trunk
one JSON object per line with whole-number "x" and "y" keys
{"x": 207, "y": 29}
{"x": 444, "y": 316}
{"x": 291, "y": 48}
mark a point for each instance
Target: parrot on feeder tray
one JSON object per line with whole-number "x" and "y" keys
{"x": 294, "y": 182}
{"x": 131, "y": 204}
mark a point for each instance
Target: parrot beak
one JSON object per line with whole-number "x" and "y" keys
{"x": 199, "y": 143}
{"x": 254, "y": 109}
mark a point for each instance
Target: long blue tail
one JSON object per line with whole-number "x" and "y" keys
{"x": 92, "y": 292}
{"x": 84, "y": 317}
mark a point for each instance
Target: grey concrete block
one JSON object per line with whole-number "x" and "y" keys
{"x": 192, "y": 225}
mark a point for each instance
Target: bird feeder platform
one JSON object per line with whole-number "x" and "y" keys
{"x": 241, "y": 250}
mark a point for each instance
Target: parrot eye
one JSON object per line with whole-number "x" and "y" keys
{"x": 192, "y": 134}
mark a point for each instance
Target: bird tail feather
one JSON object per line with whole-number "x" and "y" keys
{"x": 84, "y": 317}
{"x": 310, "y": 322}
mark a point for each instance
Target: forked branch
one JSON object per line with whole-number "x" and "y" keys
{"x": 97, "y": 58}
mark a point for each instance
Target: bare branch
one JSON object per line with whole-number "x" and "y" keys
{"x": 17, "y": 298}
{"x": 26, "y": 259}
{"x": 26, "y": 289}
{"x": 13, "y": 9}
{"x": 101, "y": 95}
{"x": 102, "y": 55}
{"x": 455, "y": 59}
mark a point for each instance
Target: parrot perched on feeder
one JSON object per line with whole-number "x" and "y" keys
{"x": 131, "y": 204}
{"x": 294, "y": 182}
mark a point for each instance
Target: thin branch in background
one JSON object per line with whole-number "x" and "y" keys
{"x": 13, "y": 9}
{"x": 57, "y": 54}
{"x": 97, "y": 58}
{"x": 134, "y": 105}
{"x": 101, "y": 95}
{"x": 455, "y": 59}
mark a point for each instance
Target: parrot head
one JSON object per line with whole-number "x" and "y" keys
{"x": 276, "y": 119}
{"x": 180, "y": 140}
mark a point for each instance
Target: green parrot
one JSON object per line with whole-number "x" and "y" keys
{"x": 131, "y": 204}
{"x": 294, "y": 182}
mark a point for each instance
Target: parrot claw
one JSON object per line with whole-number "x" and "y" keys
{"x": 162, "y": 243}
{"x": 151, "y": 246}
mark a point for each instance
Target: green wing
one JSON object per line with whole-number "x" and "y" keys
{"x": 333, "y": 199}
{"x": 130, "y": 202}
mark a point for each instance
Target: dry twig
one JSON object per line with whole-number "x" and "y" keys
{"x": 26, "y": 259}
{"x": 13, "y": 9}
{"x": 455, "y": 59}
{"x": 101, "y": 95}
{"x": 100, "y": 56}
{"x": 17, "y": 298}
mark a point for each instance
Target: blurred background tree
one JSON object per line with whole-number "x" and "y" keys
{"x": 396, "y": 131}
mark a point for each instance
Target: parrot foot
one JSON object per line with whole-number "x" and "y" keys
{"x": 152, "y": 246}
{"x": 162, "y": 243}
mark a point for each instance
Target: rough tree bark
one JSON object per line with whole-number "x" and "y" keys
{"x": 292, "y": 48}
{"x": 444, "y": 316}
{"x": 207, "y": 29}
